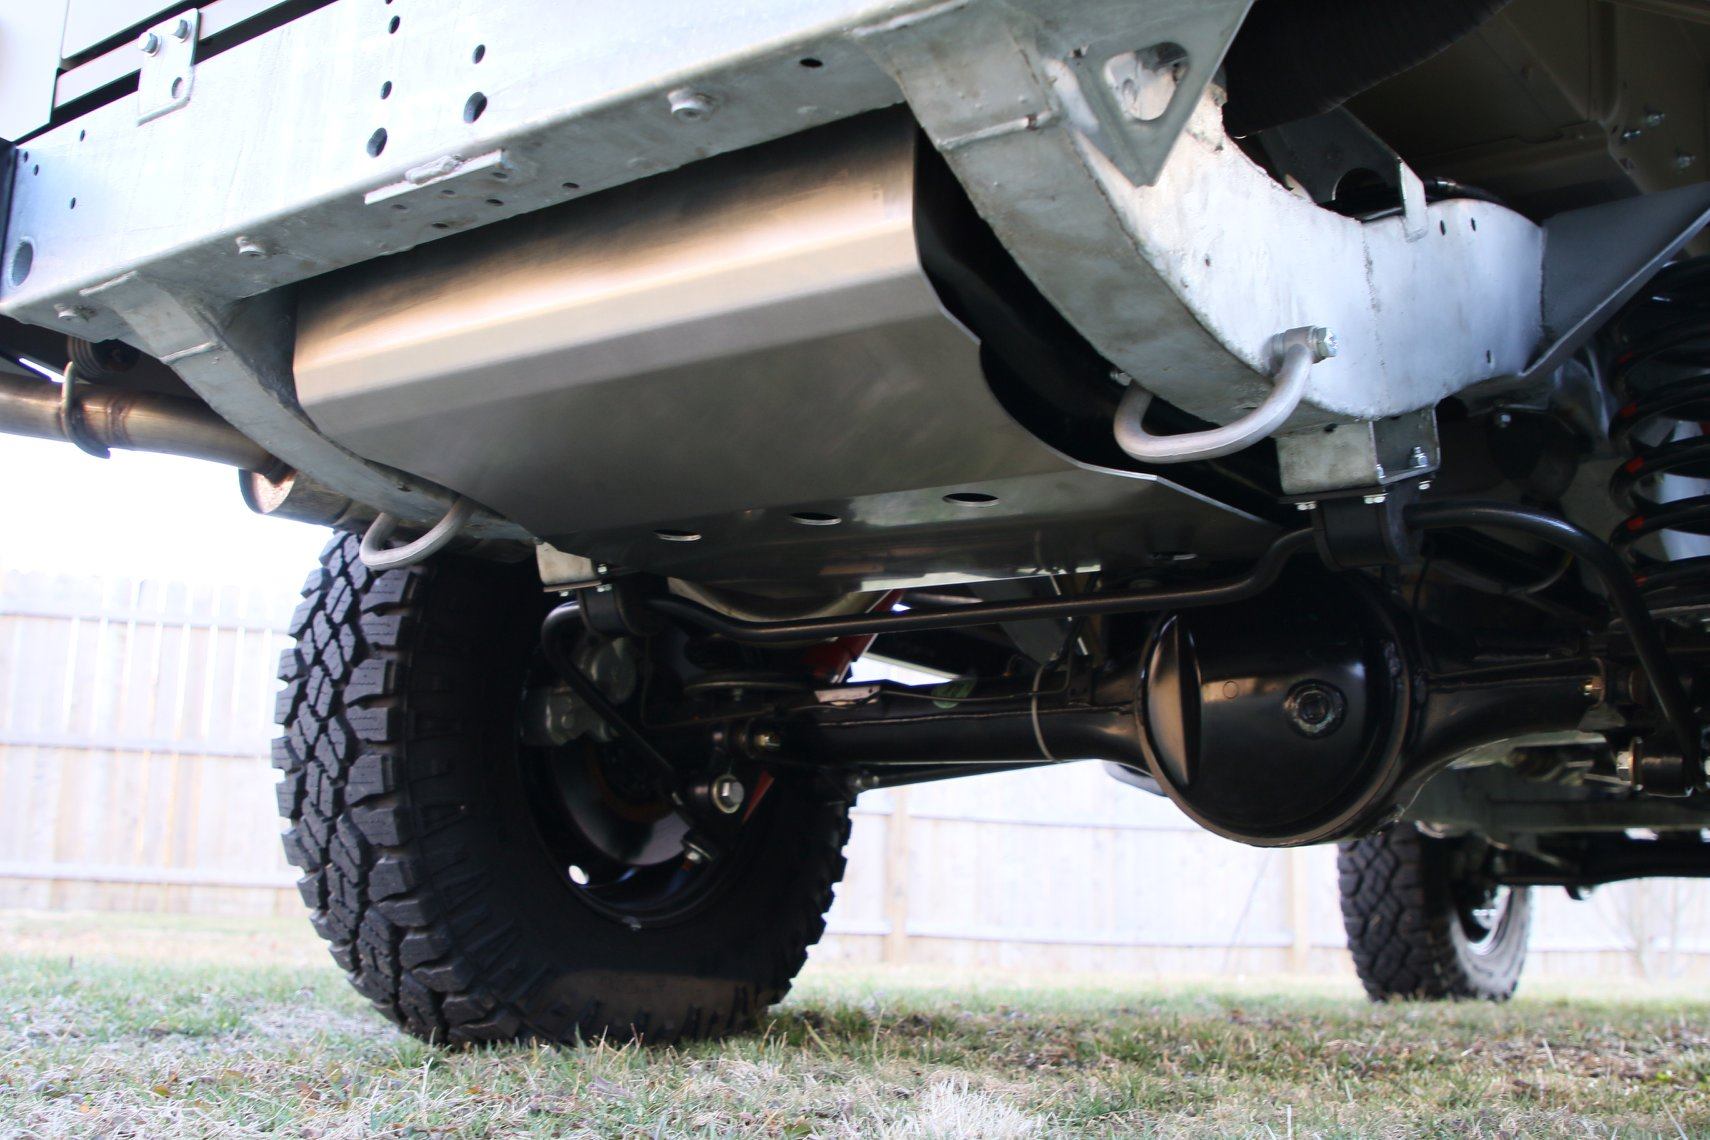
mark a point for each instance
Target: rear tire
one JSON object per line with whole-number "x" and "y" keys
{"x": 424, "y": 862}
{"x": 1420, "y": 925}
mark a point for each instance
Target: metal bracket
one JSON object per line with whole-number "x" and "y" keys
{"x": 1366, "y": 455}
{"x": 1132, "y": 102}
{"x": 168, "y": 71}
{"x": 563, "y": 571}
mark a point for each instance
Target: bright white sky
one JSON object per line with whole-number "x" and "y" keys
{"x": 140, "y": 515}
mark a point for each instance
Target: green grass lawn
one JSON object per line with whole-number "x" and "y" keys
{"x": 135, "y": 1026}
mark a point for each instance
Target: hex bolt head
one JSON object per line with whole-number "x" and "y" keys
{"x": 1624, "y": 765}
{"x": 249, "y": 247}
{"x": 1323, "y": 343}
{"x": 727, "y": 793}
{"x": 688, "y": 105}
{"x": 149, "y": 43}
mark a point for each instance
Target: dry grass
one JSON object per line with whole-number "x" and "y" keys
{"x": 175, "y": 1027}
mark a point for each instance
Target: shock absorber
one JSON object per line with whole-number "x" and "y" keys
{"x": 1661, "y": 374}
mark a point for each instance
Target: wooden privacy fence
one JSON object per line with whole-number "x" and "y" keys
{"x": 134, "y": 726}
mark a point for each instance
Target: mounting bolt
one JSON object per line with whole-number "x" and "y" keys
{"x": 1425, "y": 484}
{"x": 1322, "y": 342}
{"x": 181, "y": 30}
{"x": 1653, "y": 117}
{"x": 1419, "y": 457}
{"x": 1593, "y": 688}
{"x": 1630, "y": 134}
{"x": 768, "y": 740}
{"x": 1503, "y": 419}
{"x": 1624, "y": 765}
{"x": 689, "y": 105}
{"x": 72, "y": 313}
{"x": 249, "y": 247}
{"x": 1684, "y": 161}
{"x": 149, "y": 43}
{"x": 1373, "y": 500}
{"x": 1306, "y": 506}
{"x": 727, "y": 793}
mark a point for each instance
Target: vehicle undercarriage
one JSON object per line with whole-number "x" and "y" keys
{"x": 1298, "y": 407}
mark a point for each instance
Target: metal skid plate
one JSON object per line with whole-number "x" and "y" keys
{"x": 1082, "y": 130}
{"x": 735, "y": 372}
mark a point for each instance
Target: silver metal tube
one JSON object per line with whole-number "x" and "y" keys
{"x": 135, "y": 421}
{"x": 1301, "y": 348}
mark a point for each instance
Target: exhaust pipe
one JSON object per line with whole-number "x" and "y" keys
{"x": 134, "y": 421}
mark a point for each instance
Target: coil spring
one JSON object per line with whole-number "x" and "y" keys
{"x": 1661, "y": 373}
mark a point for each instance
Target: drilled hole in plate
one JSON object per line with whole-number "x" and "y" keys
{"x": 392, "y": 25}
{"x": 810, "y": 62}
{"x": 1146, "y": 81}
{"x": 23, "y": 260}
{"x": 177, "y": 86}
{"x": 1489, "y": 357}
{"x": 377, "y": 142}
{"x": 1474, "y": 223}
{"x": 474, "y": 106}
{"x": 442, "y": 225}
{"x": 495, "y": 201}
{"x": 36, "y": 169}
{"x": 1443, "y": 228}
{"x": 386, "y": 89}
{"x": 72, "y": 205}
{"x": 400, "y": 206}
{"x": 479, "y": 54}
{"x": 678, "y": 535}
{"x": 816, "y": 518}
{"x": 970, "y": 498}
{"x": 81, "y": 135}
{"x": 571, "y": 185}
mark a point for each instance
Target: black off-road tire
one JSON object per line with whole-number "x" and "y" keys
{"x": 1406, "y": 931}
{"x": 421, "y": 863}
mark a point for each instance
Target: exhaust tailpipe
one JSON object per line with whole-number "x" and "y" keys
{"x": 133, "y": 421}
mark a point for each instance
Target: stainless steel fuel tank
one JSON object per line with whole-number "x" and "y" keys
{"x": 736, "y": 372}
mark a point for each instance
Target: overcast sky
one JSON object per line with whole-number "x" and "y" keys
{"x": 146, "y": 515}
